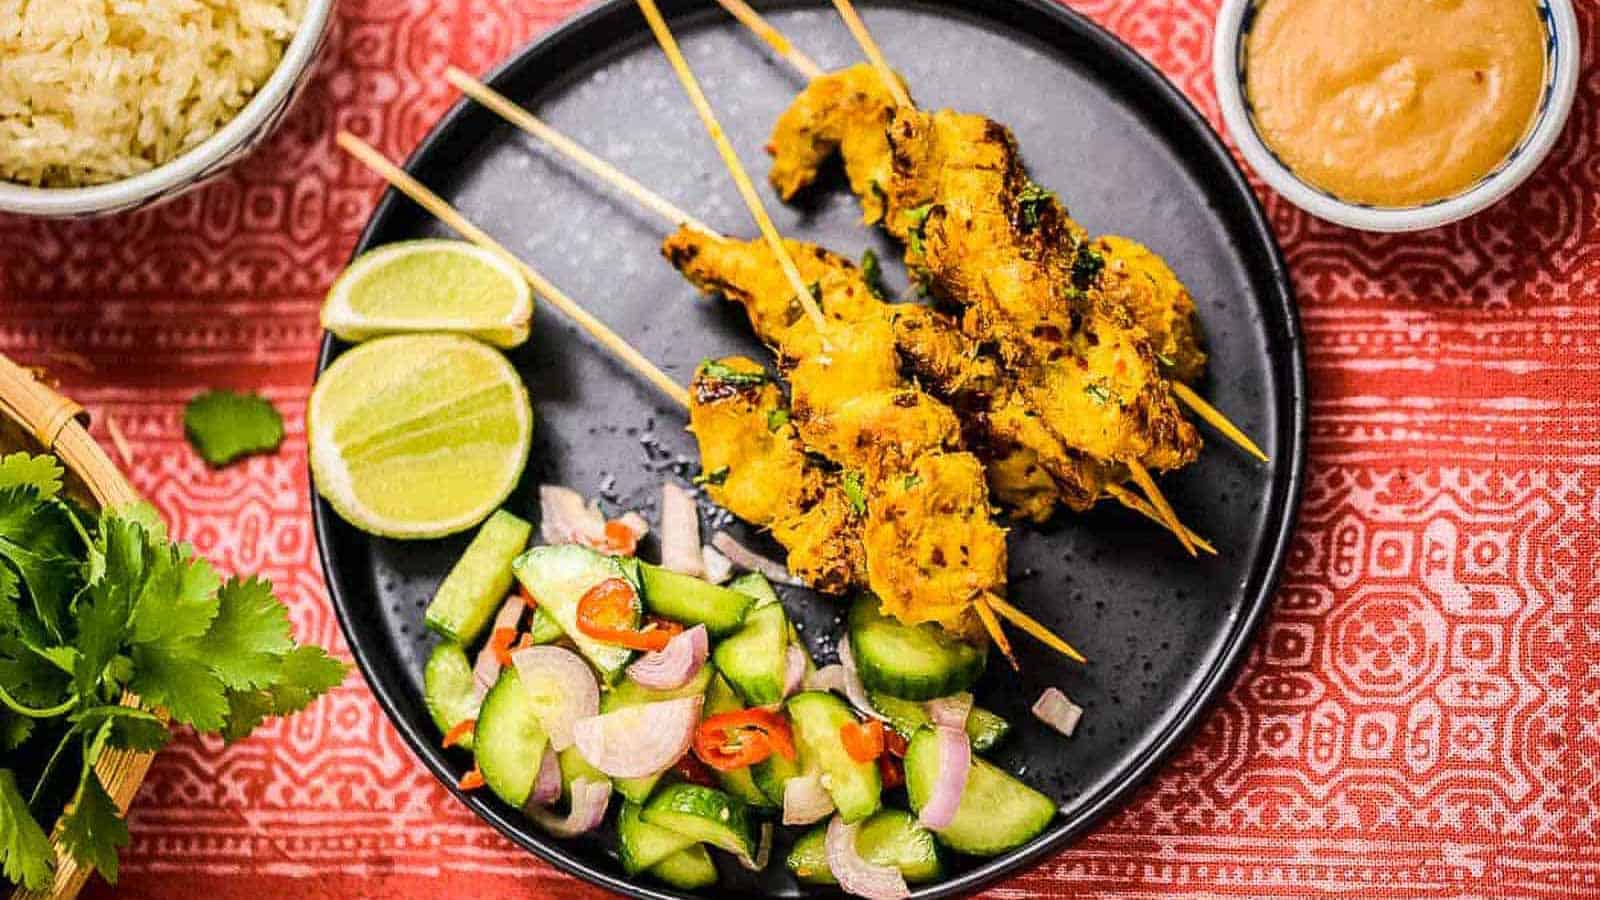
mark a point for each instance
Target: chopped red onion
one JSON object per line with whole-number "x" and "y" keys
{"x": 718, "y": 568}
{"x": 564, "y": 517}
{"x": 805, "y": 800}
{"x": 952, "y": 710}
{"x": 955, "y": 761}
{"x": 1054, "y": 709}
{"x": 563, "y": 685}
{"x": 588, "y": 810}
{"x": 674, "y": 665}
{"x": 794, "y": 671}
{"x": 680, "y": 531}
{"x": 486, "y": 668}
{"x": 745, "y": 558}
{"x": 638, "y": 741}
{"x": 853, "y": 688}
{"x": 855, "y": 874}
{"x": 547, "y": 786}
{"x": 827, "y": 678}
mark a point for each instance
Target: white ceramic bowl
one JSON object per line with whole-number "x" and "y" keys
{"x": 233, "y": 140}
{"x": 1561, "y": 84}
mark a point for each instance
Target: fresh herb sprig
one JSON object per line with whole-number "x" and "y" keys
{"x": 95, "y": 605}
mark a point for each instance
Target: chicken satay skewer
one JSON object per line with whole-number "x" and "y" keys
{"x": 672, "y": 215}
{"x": 774, "y": 38}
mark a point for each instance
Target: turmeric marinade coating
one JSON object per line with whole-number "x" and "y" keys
{"x": 896, "y": 449}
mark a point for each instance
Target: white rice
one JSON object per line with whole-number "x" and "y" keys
{"x": 93, "y": 91}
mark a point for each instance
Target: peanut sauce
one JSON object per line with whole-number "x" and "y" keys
{"x": 1394, "y": 102}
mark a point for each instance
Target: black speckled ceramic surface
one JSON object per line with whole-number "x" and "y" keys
{"x": 1098, "y": 125}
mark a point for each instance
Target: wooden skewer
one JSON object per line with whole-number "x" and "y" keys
{"x": 674, "y": 216}
{"x": 1033, "y": 627}
{"x": 1141, "y": 477}
{"x": 747, "y": 189}
{"x": 858, "y": 28}
{"x": 1218, "y": 421}
{"x": 773, "y": 37}
{"x": 401, "y": 181}
{"x": 992, "y": 625}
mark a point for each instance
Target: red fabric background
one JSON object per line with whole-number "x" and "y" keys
{"x": 1420, "y": 716}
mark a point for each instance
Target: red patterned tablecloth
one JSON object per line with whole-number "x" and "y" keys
{"x": 1419, "y": 717}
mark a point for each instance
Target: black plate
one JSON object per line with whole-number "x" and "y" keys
{"x": 1098, "y": 124}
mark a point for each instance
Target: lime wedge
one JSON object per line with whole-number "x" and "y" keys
{"x": 418, "y": 436}
{"x": 430, "y": 286}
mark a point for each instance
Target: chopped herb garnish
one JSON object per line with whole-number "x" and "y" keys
{"x": 721, "y": 371}
{"x": 911, "y": 481}
{"x": 777, "y": 418}
{"x": 1086, "y": 266}
{"x": 223, "y": 426}
{"x": 1166, "y": 360}
{"x": 714, "y": 477}
{"x": 1098, "y": 392}
{"x": 916, "y": 218}
{"x": 1031, "y": 202}
{"x": 872, "y": 274}
{"x": 855, "y": 491}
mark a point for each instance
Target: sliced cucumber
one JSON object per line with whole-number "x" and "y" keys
{"x": 755, "y": 659}
{"x": 984, "y": 727}
{"x": 478, "y": 583}
{"x": 997, "y": 812}
{"x": 692, "y": 601}
{"x": 557, "y": 578}
{"x": 913, "y": 662}
{"x": 630, "y": 693}
{"x": 642, "y": 845}
{"x": 510, "y": 740}
{"x": 573, "y": 767}
{"x": 689, "y": 869}
{"x": 755, "y": 584}
{"x": 720, "y": 698}
{"x": 447, "y": 688}
{"x": 772, "y": 773}
{"x": 543, "y": 628}
{"x": 702, "y": 814}
{"x": 891, "y": 837}
{"x": 854, "y": 786}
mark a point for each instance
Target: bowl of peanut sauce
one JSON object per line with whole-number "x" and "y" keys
{"x": 1395, "y": 115}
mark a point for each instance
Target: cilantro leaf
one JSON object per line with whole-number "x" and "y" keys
{"x": 26, "y": 857}
{"x": 872, "y": 274}
{"x": 777, "y": 418}
{"x": 42, "y": 473}
{"x": 716, "y": 476}
{"x": 39, "y": 540}
{"x": 855, "y": 491}
{"x": 126, "y": 727}
{"x": 1086, "y": 266}
{"x": 1031, "y": 202}
{"x": 306, "y": 673}
{"x": 14, "y": 731}
{"x": 179, "y": 677}
{"x": 108, "y": 601}
{"x": 176, "y": 599}
{"x": 92, "y": 829}
{"x": 721, "y": 371}
{"x": 223, "y": 426}
{"x": 28, "y": 677}
{"x": 250, "y": 635}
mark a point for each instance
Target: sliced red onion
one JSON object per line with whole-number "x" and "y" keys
{"x": 564, "y": 517}
{"x": 547, "y": 786}
{"x": 563, "y": 686}
{"x": 827, "y": 678}
{"x": 674, "y": 665}
{"x": 638, "y": 741}
{"x": 680, "y": 531}
{"x": 794, "y": 670}
{"x": 588, "y": 810}
{"x": 951, "y": 711}
{"x": 763, "y": 851}
{"x": 855, "y": 874}
{"x": 853, "y": 688}
{"x": 718, "y": 568}
{"x": 955, "y": 761}
{"x": 486, "y": 668}
{"x": 805, "y": 800}
{"x": 1055, "y": 709}
{"x": 745, "y": 558}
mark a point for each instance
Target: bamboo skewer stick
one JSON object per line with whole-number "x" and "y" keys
{"x": 1218, "y": 421}
{"x": 774, "y": 38}
{"x": 673, "y": 216}
{"x": 1141, "y": 477}
{"x": 1035, "y": 628}
{"x": 747, "y": 189}
{"x": 992, "y": 625}
{"x": 400, "y": 180}
{"x": 858, "y": 28}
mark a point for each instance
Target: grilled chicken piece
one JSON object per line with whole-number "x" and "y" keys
{"x": 757, "y": 469}
{"x": 850, "y": 109}
{"x": 1143, "y": 283}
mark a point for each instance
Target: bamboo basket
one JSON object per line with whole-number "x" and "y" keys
{"x": 34, "y": 417}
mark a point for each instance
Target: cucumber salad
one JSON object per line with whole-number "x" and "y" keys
{"x": 574, "y": 671}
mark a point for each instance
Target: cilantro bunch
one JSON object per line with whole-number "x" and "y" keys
{"x": 90, "y": 606}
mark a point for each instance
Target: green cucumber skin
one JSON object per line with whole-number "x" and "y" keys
{"x": 856, "y": 787}
{"x": 447, "y": 689}
{"x": 480, "y": 580}
{"x": 510, "y": 740}
{"x": 573, "y": 767}
{"x": 692, "y": 601}
{"x": 642, "y": 845}
{"x": 912, "y": 662}
{"x": 754, "y": 660}
{"x": 997, "y": 814}
{"x": 756, "y": 586}
{"x": 891, "y": 837}
{"x": 543, "y": 628}
{"x": 986, "y": 729}
{"x": 689, "y": 869}
{"x": 741, "y": 783}
{"x": 703, "y": 814}
{"x": 557, "y": 578}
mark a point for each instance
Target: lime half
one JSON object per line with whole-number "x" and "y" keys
{"x": 418, "y": 436}
{"x": 430, "y": 286}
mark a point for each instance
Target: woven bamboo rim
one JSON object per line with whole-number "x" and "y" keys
{"x": 57, "y": 424}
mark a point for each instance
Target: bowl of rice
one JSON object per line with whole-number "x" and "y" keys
{"x": 109, "y": 105}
